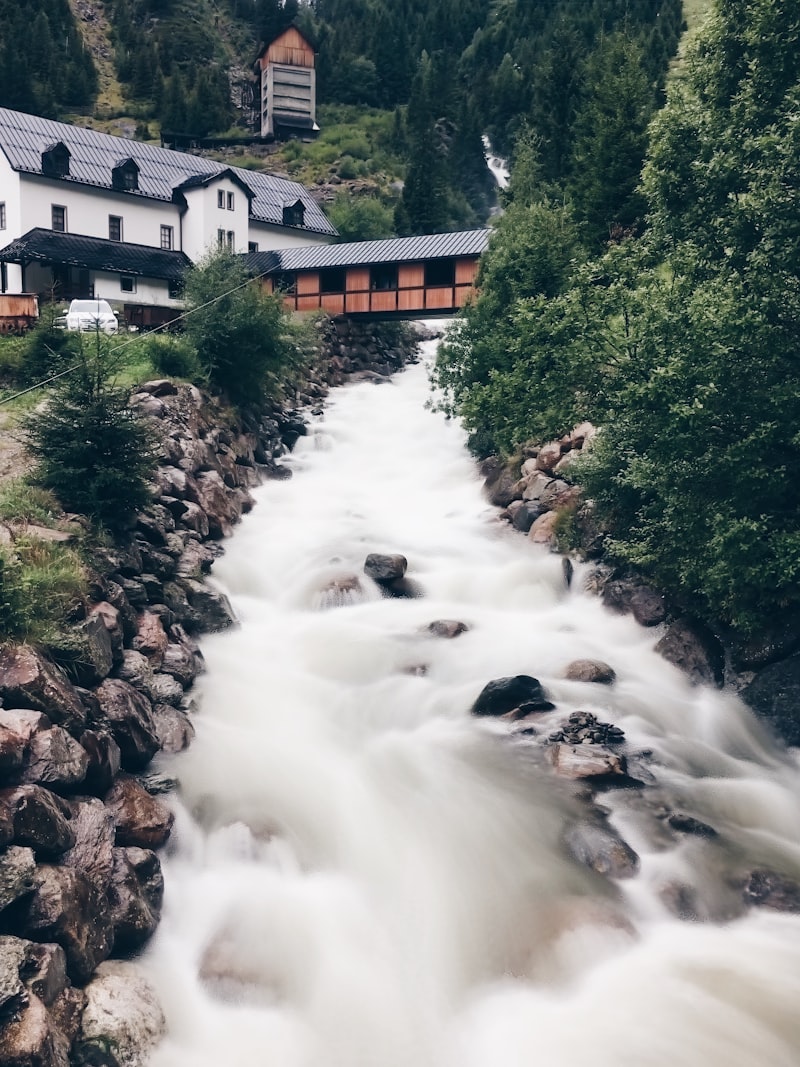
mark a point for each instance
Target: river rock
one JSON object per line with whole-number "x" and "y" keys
{"x": 104, "y": 760}
{"x": 12, "y": 961}
{"x": 130, "y": 718}
{"x": 139, "y": 818}
{"x": 502, "y": 489}
{"x": 384, "y": 568}
{"x": 777, "y": 638}
{"x": 174, "y": 728}
{"x": 17, "y": 867}
{"x": 447, "y": 628}
{"x": 137, "y": 670}
{"x": 768, "y": 889}
{"x": 521, "y": 692}
{"x": 40, "y": 819}
{"x": 93, "y": 825}
{"x": 774, "y": 695}
{"x": 56, "y": 760}
{"x": 584, "y": 728}
{"x": 628, "y": 595}
{"x": 543, "y": 530}
{"x": 535, "y": 485}
{"x": 339, "y": 592}
{"x": 136, "y": 894}
{"x": 151, "y": 638}
{"x": 17, "y": 727}
{"x": 126, "y": 614}
{"x": 212, "y": 609}
{"x": 29, "y": 680}
{"x": 590, "y": 670}
{"x": 30, "y": 1038}
{"x": 558, "y": 494}
{"x": 695, "y": 650}
{"x": 45, "y": 971}
{"x": 548, "y": 457}
{"x": 601, "y": 848}
{"x": 68, "y": 908}
{"x": 687, "y": 824}
{"x": 181, "y": 662}
{"x": 95, "y": 655}
{"x": 220, "y": 506}
{"x": 122, "y": 1021}
{"x": 585, "y": 761}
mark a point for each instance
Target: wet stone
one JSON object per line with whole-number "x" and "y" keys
{"x": 502, "y": 695}
{"x": 447, "y": 628}
{"x": 768, "y": 889}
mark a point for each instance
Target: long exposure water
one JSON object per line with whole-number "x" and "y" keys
{"x": 362, "y": 874}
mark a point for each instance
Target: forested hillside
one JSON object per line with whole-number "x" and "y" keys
{"x": 683, "y": 344}
{"x": 443, "y": 72}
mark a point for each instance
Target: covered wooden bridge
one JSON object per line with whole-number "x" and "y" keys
{"x": 400, "y": 277}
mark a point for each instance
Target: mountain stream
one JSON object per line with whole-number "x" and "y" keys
{"x": 363, "y": 874}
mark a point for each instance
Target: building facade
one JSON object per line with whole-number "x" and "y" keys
{"x": 288, "y": 87}
{"x": 86, "y": 214}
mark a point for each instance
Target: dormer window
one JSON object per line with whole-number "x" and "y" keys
{"x": 294, "y": 213}
{"x": 55, "y": 160}
{"x": 125, "y": 176}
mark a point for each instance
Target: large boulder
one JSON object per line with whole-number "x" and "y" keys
{"x": 212, "y": 609}
{"x": 631, "y": 596}
{"x": 29, "y": 680}
{"x": 774, "y": 695}
{"x": 17, "y": 728}
{"x": 521, "y": 692}
{"x": 586, "y": 761}
{"x": 67, "y": 908}
{"x": 122, "y": 1021}
{"x": 601, "y": 848}
{"x": 130, "y": 718}
{"x": 92, "y": 853}
{"x": 30, "y": 1038}
{"x": 40, "y": 819}
{"x": 694, "y": 649}
{"x": 136, "y": 894}
{"x": 17, "y": 868}
{"x": 139, "y": 818}
{"x": 104, "y": 760}
{"x": 56, "y": 760}
{"x": 385, "y": 568}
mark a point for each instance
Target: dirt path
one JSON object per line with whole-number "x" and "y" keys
{"x": 13, "y": 459}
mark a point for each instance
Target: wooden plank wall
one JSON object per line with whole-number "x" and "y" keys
{"x": 290, "y": 49}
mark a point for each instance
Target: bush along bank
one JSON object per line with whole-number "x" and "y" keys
{"x": 82, "y": 814}
{"x": 539, "y": 498}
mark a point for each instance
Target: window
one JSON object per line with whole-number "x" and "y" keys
{"x": 125, "y": 175}
{"x": 231, "y": 240}
{"x": 440, "y": 272}
{"x": 3, "y": 278}
{"x": 285, "y": 282}
{"x": 294, "y": 214}
{"x": 230, "y": 201}
{"x": 220, "y": 238}
{"x": 221, "y": 198}
{"x": 127, "y": 283}
{"x": 383, "y": 276}
{"x": 55, "y": 160}
{"x": 166, "y": 238}
{"x": 332, "y": 280}
{"x": 59, "y": 218}
{"x": 252, "y": 246}
{"x": 175, "y": 288}
{"x": 2, "y": 216}
{"x": 114, "y": 228}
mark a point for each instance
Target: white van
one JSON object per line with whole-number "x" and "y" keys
{"x": 92, "y": 315}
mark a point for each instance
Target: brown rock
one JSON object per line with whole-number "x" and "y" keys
{"x": 104, "y": 760}
{"x": 601, "y": 848}
{"x": 140, "y": 819}
{"x": 29, "y": 1039}
{"x": 136, "y": 895}
{"x": 29, "y": 680}
{"x": 40, "y": 819}
{"x": 585, "y": 761}
{"x": 17, "y": 868}
{"x": 151, "y": 639}
{"x": 385, "y": 568}
{"x": 67, "y": 908}
{"x": 182, "y": 662}
{"x": 559, "y": 494}
{"x": 549, "y": 455}
{"x": 695, "y": 650}
{"x": 130, "y": 718}
{"x": 93, "y": 824}
{"x": 542, "y": 532}
{"x": 122, "y": 1021}
{"x": 768, "y": 889}
{"x": 17, "y": 727}
{"x": 219, "y": 505}
{"x": 212, "y": 609}
{"x": 45, "y": 971}
{"x": 94, "y": 657}
{"x": 590, "y": 670}
{"x": 56, "y": 760}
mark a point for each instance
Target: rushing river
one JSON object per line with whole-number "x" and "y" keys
{"x": 364, "y": 875}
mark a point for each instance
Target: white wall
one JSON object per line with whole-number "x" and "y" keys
{"x": 268, "y": 237}
{"x": 9, "y": 195}
{"x": 204, "y": 217}
{"x": 88, "y": 209}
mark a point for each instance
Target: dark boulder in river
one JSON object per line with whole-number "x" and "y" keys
{"x": 507, "y": 694}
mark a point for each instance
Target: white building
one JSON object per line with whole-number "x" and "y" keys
{"x": 86, "y": 214}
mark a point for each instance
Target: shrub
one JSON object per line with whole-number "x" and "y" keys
{"x": 240, "y": 332}
{"x": 174, "y": 357}
{"x": 92, "y": 450}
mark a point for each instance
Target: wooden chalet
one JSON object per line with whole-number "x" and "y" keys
{"x": 288, "y": 89}
{"x": 400, "y": 277}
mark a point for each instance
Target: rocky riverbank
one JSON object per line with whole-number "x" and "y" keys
{"x": 81, "y": 813}
{"x": 539, "y": 500}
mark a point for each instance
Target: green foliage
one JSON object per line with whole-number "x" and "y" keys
{"x": 174, "y": 357}
{"x": 47, "y": 350}
{"x": 93, "y": 452}
{"x": 40, "y": 584}
{"x": 240, "y": 333}
{"x": 361, "y": 218}
{"x": 22, "y": 502}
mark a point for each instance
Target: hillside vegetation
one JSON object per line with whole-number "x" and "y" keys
{"x": 422, "y": 80}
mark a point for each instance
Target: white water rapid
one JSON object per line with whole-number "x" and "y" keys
{"x": 364, "y": 875}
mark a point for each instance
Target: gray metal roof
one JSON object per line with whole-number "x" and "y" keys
{"x": 93, "y": 156}
{"x": 364, "y": 253}
{"x": 96, "y": 253}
